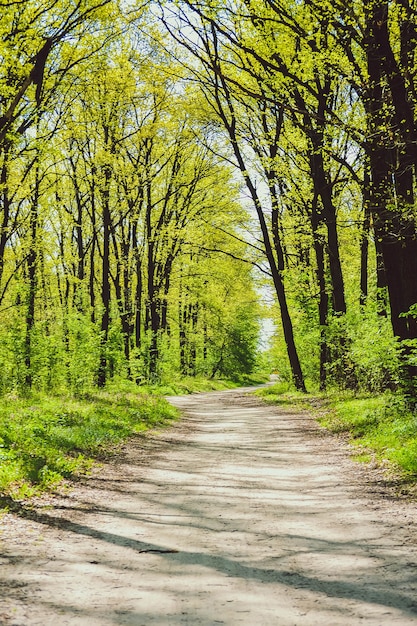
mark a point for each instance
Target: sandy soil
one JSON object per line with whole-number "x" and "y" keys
{"x": 240, "y": 514}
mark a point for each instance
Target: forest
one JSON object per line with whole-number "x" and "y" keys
{"x": 176, "y": 178}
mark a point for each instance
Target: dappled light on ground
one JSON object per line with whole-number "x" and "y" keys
{"x": 241, "y": 514}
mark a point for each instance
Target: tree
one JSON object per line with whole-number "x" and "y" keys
{"x": 227, "y": 106}
{"x": 344, "y": 75}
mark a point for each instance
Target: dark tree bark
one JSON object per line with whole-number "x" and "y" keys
{"x": 319, "y": 250}
{"x": 153, "y": 318}
{"x": 273, "y": 252}
{"x": 105, "y": 278}
{"x": 139, "y": 288}
{"x": 277, "y": 277}
{"x": 314, "y": 128}
{"x": 5, "y": 213}
{"x": 322, "y": 189}
{"x": 79, "y": 238}
{"x": 188, "y": 320}
{"x": 93, "y": 249}
{"x": 364, "y": 242}
{"x": 182, "y": 324}
{"x": 391, "y": 204}
{"x": 32, "y": 261}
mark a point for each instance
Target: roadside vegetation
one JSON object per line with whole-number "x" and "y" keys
{"x": 45, "y": 439}
{"x": 382, "y": 428}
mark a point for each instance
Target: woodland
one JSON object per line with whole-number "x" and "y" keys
{"x": 178, "y": 177}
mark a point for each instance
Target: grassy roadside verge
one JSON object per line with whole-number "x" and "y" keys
{"x": 197, "y": 384}
{"x": 45, "y": 439}
{"x": 382, "y": 427}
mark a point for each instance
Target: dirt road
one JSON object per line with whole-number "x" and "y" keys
{"x": 241, "y": 514}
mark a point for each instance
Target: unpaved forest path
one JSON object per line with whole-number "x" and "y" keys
{"x": 241, "y": 514}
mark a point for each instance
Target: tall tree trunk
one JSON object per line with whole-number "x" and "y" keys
{"x": 193, "y": 345}
{"x": 79, "y": 239}
{"x": 391, "y": 205}
{"x": 229, "y": 121}
{"x": 277, "y": 277}
{"x": 323, "y": 306}
{"x": 314, "y": 127}
{"x": 278, "y": 281}
{"x": 105, "y": 279}
{"x": 188, "y": 320}
{"x": 364, "y": 242}
{"x": 322, "y": 189}
{"x": 127, "y": 314}
{"x": 182, "y": 323}
{"x": 139, "y": 288}
{"x": 153, "y": 318}
{"x": 93, "y": 247}
{"x": 32, "y": 279}
{"x": 121, "y": 281}
{"x": 5, "y": 205}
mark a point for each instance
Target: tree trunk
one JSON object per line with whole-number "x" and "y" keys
{"x": 32, "y": 280}
{"x": 322, "y": 189}
{"x": 323, "y": 306}
{"x": 276, "y": 273}
{"x": 92, "y": 277}
{"x": 105, "y": 280}
{"x": 153, "y": 318}
{"x": 183, "y": 321}
{"x": 392, "y": 204}
{"x": 364, "y": 243}
{"x": 229, "y": 120}
{"x": 4, "y": 227}
{"x": 138, "y": 290}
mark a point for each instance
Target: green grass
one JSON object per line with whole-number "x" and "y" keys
{"x": 381, "y": 427}
{"x": 199, "y": 384}
{"x": 283, "y": 393}
{"x": 46, "y": 439}
{"x": 191, "y": 385}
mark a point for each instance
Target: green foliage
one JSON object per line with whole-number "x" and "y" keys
{"x": 45, "y": 439}
{"x": 238, "y": 354}
{"x": 81, "y": 351}
{"x": 192, "y": 384}
{"x": 382, "y": 426}
{"x": 275, "y": 359}
{"x": 170, "y": 386}
{"x": 283, "y": 393}
{"x": 363, "y": 352}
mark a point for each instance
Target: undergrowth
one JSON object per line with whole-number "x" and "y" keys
{"x": 45, "y": 439}
{"x": 382, "y": 427}
{"x": 196, "y": 384}
{"x": 283, "y": 393}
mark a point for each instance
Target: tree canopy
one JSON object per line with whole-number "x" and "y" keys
{"x": 163, "y": 164}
